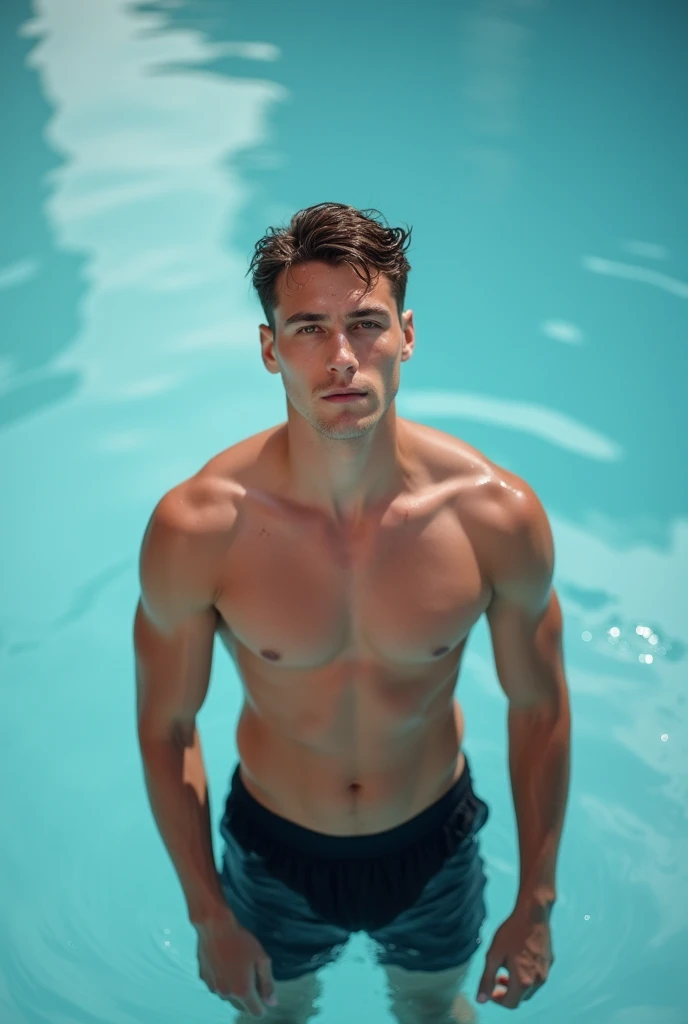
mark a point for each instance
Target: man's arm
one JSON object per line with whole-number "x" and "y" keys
{"x": 525, "y": 622}
{"x": 174, "y": 630}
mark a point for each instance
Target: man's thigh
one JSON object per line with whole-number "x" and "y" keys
{"x": 296, "y": 939}
{"x": 442, "y": 929}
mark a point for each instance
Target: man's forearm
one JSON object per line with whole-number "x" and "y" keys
{"x": 539, "y": 765}
{"x": 178, "y": 794}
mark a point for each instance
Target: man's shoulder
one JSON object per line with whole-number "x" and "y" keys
{"x": 492, "y": 502}
{"x": 192, "y": 526}
{"x": 206, "y": 503}
{"x": 507, "y": 525}
{"x": 476, "y": 479}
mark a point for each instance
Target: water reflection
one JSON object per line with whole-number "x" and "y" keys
{"x": 17, "y": 273}
{"x": 560, "y": 330}
{"x": 40, "y": 284}
{"x": 631, "y": 272}
{"x": 493, "y": 56}
{"x": 148, "y": 187}
{"x": 547, "y": 424}
{"x": 650, "y": 250}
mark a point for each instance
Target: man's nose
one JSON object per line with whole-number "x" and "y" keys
{"x": 342, "y": 355}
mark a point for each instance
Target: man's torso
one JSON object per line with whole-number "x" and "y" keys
{"x": 348, "y": 639}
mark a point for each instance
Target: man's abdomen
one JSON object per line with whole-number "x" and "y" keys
{"x": 370, "y": 788}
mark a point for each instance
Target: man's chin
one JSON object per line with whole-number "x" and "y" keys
{"x": 343, "y": 431}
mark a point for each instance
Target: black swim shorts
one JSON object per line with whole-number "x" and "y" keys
{"x": 417, "y": 890}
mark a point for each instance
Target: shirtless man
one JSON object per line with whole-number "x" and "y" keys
{"x": 342, "y": 557}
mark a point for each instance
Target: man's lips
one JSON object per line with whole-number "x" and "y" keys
{"x": 344, "y": 396}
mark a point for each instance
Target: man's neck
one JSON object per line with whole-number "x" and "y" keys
{"x": 345, "y": 477}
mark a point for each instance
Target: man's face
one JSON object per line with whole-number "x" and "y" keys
{"x": 331, "y": 334}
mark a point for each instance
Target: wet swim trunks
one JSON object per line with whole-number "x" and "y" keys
{"x": 417, "y": 890}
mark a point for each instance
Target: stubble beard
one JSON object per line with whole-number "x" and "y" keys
{"x": 339, "y": 429}
{"x": 342, "y": 432}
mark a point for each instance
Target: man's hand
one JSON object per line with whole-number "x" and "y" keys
{"x": 522, "y": 945}
{"x": 234, "y": 965}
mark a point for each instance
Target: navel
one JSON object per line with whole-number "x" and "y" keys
{"x": 270, "y": 655}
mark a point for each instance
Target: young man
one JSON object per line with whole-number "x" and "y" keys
{"x": 342, "y": 557}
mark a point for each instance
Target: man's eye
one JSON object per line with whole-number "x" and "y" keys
{"x": 366, "y": 324}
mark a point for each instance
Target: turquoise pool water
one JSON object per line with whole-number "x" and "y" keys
{"x": 539, "y": 151}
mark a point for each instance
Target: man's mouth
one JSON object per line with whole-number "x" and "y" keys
{"x": 345, "y": 396}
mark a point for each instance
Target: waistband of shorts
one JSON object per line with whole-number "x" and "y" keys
{"x": 320, "y": 844}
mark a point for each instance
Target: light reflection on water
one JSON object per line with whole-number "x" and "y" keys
{"x": 133, "y": 356}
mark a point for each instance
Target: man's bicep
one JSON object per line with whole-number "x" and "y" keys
{"x": 174, "y": 630}
{"x": 172, "y": 672}
{"x": 527, "y": 649}
{"x": 524, "y": 615}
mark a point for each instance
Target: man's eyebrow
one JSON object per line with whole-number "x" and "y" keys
{"x": 356, "y": 314}
{"x": 307, "y": 317}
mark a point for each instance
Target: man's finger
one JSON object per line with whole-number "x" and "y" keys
{"x": 487, "y": 982}
{"x": 486, "y": 985}
{"x": 513, "y": 995}
{"x": 266, "y": 984}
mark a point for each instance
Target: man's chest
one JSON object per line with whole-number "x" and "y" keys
{"x": 303, "y": 597}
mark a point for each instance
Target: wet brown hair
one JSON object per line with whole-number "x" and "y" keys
{"x": 332, "y": 233}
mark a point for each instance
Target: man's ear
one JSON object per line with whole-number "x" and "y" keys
{"x": 409, "y": 330}
{"x": 267, "y": 348}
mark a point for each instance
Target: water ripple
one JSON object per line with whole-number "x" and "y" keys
{"x": 592, "y": 906}
{"x": 99, "y": 952}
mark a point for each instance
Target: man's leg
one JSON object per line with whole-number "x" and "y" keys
{"x": 295, "y": 1001}
{"x": 429, "y": 997}
{"x": 442, "y": 926}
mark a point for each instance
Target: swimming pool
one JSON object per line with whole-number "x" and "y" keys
{"x": 536, "y": 150}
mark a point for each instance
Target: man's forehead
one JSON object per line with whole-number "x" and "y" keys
{"x": 322, "y": 285}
